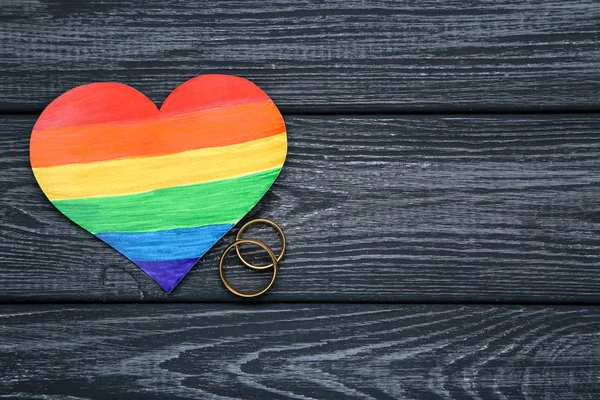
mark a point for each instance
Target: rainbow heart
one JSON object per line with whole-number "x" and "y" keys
{"x": 159, "y": 186}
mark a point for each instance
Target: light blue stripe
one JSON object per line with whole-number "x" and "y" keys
{"x": 174, "y": 244}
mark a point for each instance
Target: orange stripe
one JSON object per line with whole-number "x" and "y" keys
{"x": 161, "y": 136}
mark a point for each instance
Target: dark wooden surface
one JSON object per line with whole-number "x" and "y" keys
{"x": 312, "y": 55}
{"x": 427, "y": 164}
{"x": 300, "y": 351}
{"x": 377, "y": 208}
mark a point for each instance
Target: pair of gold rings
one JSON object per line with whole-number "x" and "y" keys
{"x": 274, "y": 259}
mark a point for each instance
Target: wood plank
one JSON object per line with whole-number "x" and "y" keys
{"x": 388, "y": 208}
{"x": 299, "y": 351}
{"x": 312, "y": 55}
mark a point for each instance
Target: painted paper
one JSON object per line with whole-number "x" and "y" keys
{"x": 159, "y": 186}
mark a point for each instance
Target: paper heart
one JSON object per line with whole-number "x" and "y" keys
{"x": 160, "y": 186}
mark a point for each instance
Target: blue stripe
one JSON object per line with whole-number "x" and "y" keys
{"x": 174, "y": 244}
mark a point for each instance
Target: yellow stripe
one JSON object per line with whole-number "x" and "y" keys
{"x": 138, "y": 175}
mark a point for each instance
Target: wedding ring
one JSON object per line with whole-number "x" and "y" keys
{"x": 258, "y": 221}
{"x": 273, "y": 264}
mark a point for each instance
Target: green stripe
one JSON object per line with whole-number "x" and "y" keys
{"x": 220, "y": 202}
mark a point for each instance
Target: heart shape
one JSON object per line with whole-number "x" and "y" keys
{"x": 159, "y": 186}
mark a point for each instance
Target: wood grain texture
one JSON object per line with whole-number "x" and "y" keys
{"x": 312, "y": 55}
{"x": 299, "y": 351}
{"x": 389, "y": 208}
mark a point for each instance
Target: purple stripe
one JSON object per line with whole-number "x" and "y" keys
{"x": 167, "y": 273}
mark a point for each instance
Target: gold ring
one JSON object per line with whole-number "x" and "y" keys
{"x": 257, "y": 221}
{"x": 236, "y": 244}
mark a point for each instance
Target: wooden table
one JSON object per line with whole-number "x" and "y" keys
{"x": 441, "y": 200}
